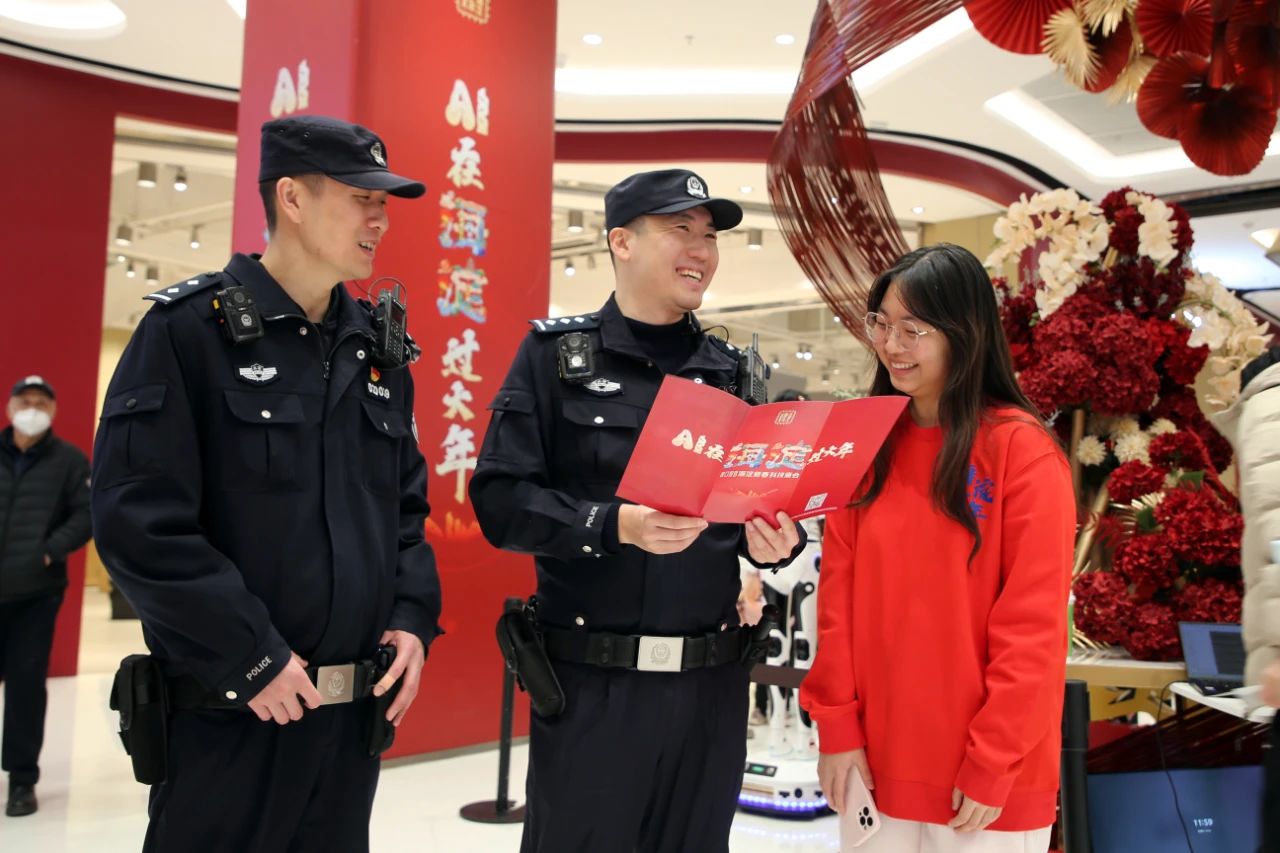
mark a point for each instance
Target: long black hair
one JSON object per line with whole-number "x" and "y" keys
{"x": 946, "y": 287}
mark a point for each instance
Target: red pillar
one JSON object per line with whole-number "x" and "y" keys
{"x": 461, "y": 91}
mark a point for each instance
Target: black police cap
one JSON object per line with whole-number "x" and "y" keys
{"x": 346, "y": 152}
{"x": 666, "y": 191}
{"x": 28, "y": 383}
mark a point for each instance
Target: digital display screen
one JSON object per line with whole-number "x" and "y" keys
{"x": 762, "y": 769}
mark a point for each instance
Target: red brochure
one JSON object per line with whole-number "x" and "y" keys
{"x": 706, "y": 453}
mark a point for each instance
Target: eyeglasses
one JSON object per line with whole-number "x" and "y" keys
{"x": 906, "y": 332}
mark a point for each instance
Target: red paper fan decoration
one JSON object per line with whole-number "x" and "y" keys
{"x": 1169, "y": 90}
{"x": 1253, "y": 42}
{"x": 1113, "y": 55}
{"x": 1014, "y": 25}
{"x": 1169, "y": 27}
{"x": 1228, "y": 132}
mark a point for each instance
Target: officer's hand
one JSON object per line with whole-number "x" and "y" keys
{"x": 657, "y": 532}
{"x": 767, "y": 545}
{"x": 279, "y": 699}
{"x": 833, "y": 775}
{"x": 410, "y": 656}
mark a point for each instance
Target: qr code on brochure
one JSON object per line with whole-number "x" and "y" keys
{"x": 815, "y": 502}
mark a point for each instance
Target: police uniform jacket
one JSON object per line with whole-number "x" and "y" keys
{"x": 547, "y": 474}
{"x": 260, "y": 498}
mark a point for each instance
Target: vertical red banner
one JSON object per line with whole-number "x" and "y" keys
{"x": 462, "y": 93}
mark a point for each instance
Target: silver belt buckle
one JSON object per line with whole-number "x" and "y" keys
{"x": 336, "y": 684}
{"x": 660, "y": 654}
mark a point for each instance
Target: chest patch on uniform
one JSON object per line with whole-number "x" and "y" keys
{"x": 257, "y": 374}
{"x": 376, "y": 390}
{"x": 604, "y": 387}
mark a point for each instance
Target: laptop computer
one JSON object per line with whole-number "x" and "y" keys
{"x": 1214, "y": 655}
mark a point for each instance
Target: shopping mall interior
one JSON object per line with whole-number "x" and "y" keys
{"x": 132, "y": 143}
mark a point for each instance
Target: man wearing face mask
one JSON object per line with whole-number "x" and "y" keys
{"x": 44, "y": 517}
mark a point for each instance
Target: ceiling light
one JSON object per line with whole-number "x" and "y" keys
{"x": 785, "y": 39}
{"x": 147, "y": 175}
{"x": 237, "y": 6}
{"x": 591, "y": 262}
{"x": 826, "y": 379}
{"x": 195, "y": 236}
{"x": 593, "y": 39}
{"x": 180, "y": 180}
{"x": 569, "y": 268}
{"x": 835, "y": 318}
{"x": 745, "y": 188}
{"x": 129, "y": 271}
{"x": 575, "y": 222}
{"x": 917, "y": 209}
{"x": 120, "y": 259}
{"x": 153, "y": 274}
{"x": 1266, "y": 238}
{"x": 755, "y": 239}
{"x": 124, "y": 235}
{"x": 774, "y": 363}
{"x": 69, "y": 19}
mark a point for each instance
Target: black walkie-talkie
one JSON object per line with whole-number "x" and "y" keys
{"x": 390, "y": 320}
{"x": 753, "y": 375}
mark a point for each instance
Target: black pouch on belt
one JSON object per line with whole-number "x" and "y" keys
{"x": 526, "y": 656}
{"x": 379, "y": 733}
{"x": 140, "y": 695}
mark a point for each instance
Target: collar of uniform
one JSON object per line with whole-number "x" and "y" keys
{"x": 273, "y": 301}
{"x": 615, "y": 335}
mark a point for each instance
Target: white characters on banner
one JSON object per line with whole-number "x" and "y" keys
{"x": 455, "y": 402}
{"x": 461, "y": 113}
{"x": 458, "y": 355}
{"x": 459, "y": 458}
{"x": 288, "y": 98}
{"x": 465, "y": 171}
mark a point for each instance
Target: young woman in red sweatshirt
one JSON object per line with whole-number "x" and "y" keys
{"x": 942, "y": 606}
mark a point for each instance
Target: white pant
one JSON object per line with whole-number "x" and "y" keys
{"x": 909, "y": 836}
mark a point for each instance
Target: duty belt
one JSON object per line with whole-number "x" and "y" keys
{"x": 337, "y": 684}
{"x": 646, "y": 653}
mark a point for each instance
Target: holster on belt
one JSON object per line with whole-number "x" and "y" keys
{"x": 140, "y": 695}
{"x": 525, "y": 655}
{"x": 379, "y": 732}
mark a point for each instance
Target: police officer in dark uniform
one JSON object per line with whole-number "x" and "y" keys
{"x": 637, "y": 607}
{"x": 259, "y": 497}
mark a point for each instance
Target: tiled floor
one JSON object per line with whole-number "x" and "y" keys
{"x": 89, "y": 801}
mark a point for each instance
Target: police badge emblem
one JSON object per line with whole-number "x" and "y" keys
{"x": 604, "y": 387}
{"x": 377, "y": 154}
{"x": 695, "y": 187}
{"x": 257, "y": 374}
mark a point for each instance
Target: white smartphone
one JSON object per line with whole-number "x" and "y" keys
{"x": 860, "y": 819}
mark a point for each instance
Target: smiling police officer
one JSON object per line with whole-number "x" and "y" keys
{"x": 637, "y": 607}
{"x": 259, "y": 497}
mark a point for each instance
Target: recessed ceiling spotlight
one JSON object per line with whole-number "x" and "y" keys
{"x": 745, "y": 188}
{"x": 917, "y": 209}
{"x": 785, "y": 39}
{"x": 593, "y": 39}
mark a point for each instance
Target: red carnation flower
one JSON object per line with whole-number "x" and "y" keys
{"x": 1180, "y": 449}
{"x": 1124, "y": 230}
{"x": 1147, "y": 562}
{"x": 1200, "y": 528}
{"x": 1134, "y": 479}
{"x": 1153, "y": 634}
{"x": 1103, "y": 607}
{"x": 1114, "y": 200}
{"x": 1210, "y": 600}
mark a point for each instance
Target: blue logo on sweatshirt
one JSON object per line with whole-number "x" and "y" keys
{"x": 982, "y": 493}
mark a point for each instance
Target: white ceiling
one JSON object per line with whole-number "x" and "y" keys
{"x": 942, "y": 93}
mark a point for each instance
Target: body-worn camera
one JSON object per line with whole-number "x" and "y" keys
{"x": 238, "y": 315}
{"x": 576, "y": 356}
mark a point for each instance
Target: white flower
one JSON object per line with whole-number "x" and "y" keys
{"x": 1163, "y": 426}
{"x": 1124, "y": 426}
{"x": 1132, "y": 447}
{"x": 1091, "y": 451}
{"x": 1171, "y": 480}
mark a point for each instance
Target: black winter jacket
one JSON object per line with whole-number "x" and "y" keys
{"x": 43, "y": 510}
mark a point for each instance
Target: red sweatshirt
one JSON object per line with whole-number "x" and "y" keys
{"x": 951, "y": 675}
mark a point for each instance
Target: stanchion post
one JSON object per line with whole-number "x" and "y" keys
{"x": 501, "y": 810}
{"x": 1075, "y": 747}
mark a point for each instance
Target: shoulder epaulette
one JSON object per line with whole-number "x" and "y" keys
{"x": 183, "y": 289}
{"x": 566, "y": 324}
{"x": 724, "y": 346}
